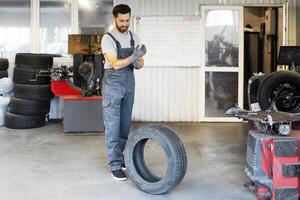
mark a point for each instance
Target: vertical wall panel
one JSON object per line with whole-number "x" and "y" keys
{"x": 298, "y": 23}
{"x": 166, "y": 94}
{"x": 292, "y": 19}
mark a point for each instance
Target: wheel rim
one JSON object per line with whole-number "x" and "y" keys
{"x": 286, "y": 97}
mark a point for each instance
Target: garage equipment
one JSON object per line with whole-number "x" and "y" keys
{"x": 82, "y": 100}
{"x": 82, "y": 114}
{"x": 82, "y": 109}
{"x": 273, "y": 154}
{"x": 281, "y": 87}
{"x": 290, "y": 55}
{"x": 92, "y": 63}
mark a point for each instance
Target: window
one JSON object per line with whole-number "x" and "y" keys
{"x": 14, "y": 27}
{"x": 55, "y": 25}
{"x": 95, "y": 16}
{"x": 221, "y": 38}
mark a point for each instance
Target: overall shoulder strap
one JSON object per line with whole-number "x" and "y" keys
{"x": 131, "y": 39}
{"x": 116, "y": 41}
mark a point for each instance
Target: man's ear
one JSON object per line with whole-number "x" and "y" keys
{"x": 114, "y": 19}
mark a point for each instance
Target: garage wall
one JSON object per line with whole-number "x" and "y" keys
{"x": 187, "y": 7}
{"x": 172, "y": 93}
{"x": 298, "y": 23}
{"x": 292, "y": 18}
{"x": 166, "y": 93}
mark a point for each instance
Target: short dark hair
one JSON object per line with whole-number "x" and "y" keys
{"x": 121, "y": 9}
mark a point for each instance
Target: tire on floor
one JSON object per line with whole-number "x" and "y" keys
{"x": 136, "y": 166}
{"x": 15, "y": 121}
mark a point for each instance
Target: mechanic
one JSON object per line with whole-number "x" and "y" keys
{"x": 123, "y": 53}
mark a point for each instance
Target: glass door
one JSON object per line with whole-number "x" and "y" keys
{"x": 222, "y": 61}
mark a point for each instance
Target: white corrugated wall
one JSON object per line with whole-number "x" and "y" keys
{"x": 167, "y": 94}
{"x": 186, "y": 7}
{"x": 172, "y": 93}
{"x": 298, "y": 22}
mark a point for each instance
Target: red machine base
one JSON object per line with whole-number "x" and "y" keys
{"x": 273, "y": 165}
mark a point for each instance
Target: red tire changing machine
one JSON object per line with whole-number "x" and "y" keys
{"x": 273, "y": 154}
{"x": 80, "y": 114}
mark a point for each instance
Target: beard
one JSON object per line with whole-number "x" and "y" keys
{"x": 122, "y": 29}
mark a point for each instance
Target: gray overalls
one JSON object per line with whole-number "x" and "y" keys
{"x": 118, "y": 97}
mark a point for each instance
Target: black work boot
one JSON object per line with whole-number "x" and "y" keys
{"x": 119, "y": 175}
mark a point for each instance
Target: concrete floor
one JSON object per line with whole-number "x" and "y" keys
{"x": 45, "y": 164}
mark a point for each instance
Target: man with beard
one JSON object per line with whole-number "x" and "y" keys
{"x": 123, "y": 53}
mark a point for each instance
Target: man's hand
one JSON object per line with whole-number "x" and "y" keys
{"x": 138, "y": 64}
{"x": 137, "y": 53}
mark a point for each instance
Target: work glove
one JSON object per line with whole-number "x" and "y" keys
{"x": 137, "y": 53}
{"x": 137, "y": 65}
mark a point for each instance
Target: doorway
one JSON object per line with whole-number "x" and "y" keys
{"x": 222, "y": 61}
{"x": 263, "y": 36}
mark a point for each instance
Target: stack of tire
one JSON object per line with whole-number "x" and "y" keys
{"x": 3, "y": 67}
{"x": 31, "y": 101}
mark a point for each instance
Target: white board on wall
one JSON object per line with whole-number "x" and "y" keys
{"x": 170, "y": 41}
